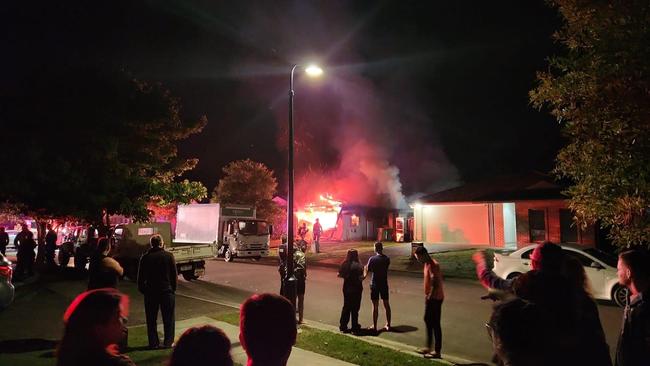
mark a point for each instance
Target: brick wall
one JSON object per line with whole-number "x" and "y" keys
{"x": 551, "y": 209}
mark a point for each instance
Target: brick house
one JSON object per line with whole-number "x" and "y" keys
{"x": 508, "y": 212}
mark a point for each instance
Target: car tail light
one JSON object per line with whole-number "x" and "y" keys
{"x": 6, "y": 271}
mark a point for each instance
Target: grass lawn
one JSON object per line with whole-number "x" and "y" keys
{"x": 346, "y": 348}
{"x": 454, "y": 264}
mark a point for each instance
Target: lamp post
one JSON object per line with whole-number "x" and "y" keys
{"x": 289, "y": 286}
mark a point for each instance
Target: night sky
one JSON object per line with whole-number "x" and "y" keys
{"x": 427, "y": 94}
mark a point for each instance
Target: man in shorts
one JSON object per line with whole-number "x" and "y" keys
{"x": 378, "y": 265}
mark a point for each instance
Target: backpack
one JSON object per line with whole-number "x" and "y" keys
{"x": 299, "y": 265}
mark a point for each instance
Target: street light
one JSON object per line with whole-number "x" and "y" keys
{"x": 289, "y": 286}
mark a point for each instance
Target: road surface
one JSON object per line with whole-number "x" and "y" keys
{"x": 463, "y": 313}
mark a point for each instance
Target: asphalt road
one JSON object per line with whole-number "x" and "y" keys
{"x": 463, "y": 314}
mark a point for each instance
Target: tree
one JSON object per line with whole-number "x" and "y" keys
{"x": 89, "y": 143}
{"x": 600, "y": 92}
{"x": 249, "y": 182}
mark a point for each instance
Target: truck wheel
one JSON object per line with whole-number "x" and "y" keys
{"x": 189, "y": 276}
{"x": 227, "y": 256}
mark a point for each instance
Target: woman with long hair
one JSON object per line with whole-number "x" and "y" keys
{"x": 434, "y": 296}
{"x": 352, "y": 273}
{"x": 92, "y": 329}
{"x": 103, "y": 270}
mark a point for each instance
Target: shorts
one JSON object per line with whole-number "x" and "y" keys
{"x": 300, "y": 287}
{"x": 377, "y": 291}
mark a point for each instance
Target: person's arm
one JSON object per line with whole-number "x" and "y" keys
{"x": 142, "y": 274}
{"x": 172, "y": 272}
{"x": 114, "y": 265}
{"x": 488, "y": 278}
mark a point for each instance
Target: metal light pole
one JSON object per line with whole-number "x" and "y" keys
{"x": 290, "y": 279}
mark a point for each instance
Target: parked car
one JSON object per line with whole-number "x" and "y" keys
{"x": 6, "y": 287}
{"x": 599, "y": 266}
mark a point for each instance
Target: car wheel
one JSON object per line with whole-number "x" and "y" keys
{"x": 227, "y": 256}
{"x": 189, "y": 276}
{"x": 620, "y": 295}
{"x": 513, "y": 275}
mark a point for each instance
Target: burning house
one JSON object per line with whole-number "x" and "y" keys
{"x": 342, "y": 222}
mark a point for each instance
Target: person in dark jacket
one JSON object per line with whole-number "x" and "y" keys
{"x": 50, "y": 245}
{"x": 103, "y": 270}
{"x": 4, "y": 240}
{"x": 25, "y": 244}
{"x": 633, "y": 347}
{"x": 546, "y": 285}
{"x": 352, "y": 273}
{"x": 157, "y": 282}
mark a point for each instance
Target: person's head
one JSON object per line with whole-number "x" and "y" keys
{"x": 352, "y": 256}
{"x": 548, "y": 257}
{"x": 634, "y": 268}
{"x": 422, "y": 255}
{"x": 519, "y": 333}
{"x": 2, "y": 229}
{"x": 304, "y": 224}
{"x": 575, "y": 273}
{"x": 103, "y": 245}
{"x": 24, "y": 226}
{"x": 156, "y": 241}
{"x": 317, "y": 220}
{"x": 49, "y": 226}
{"x": 92, "y": 322}
{"x": 202, "y": 346}
{"x": 267, "y": 328}
{"x": 379, "y": 247}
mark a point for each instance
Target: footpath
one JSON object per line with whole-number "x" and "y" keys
{"x": 299, "y": 356}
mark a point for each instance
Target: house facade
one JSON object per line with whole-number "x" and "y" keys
{"x": 505, "y": 212}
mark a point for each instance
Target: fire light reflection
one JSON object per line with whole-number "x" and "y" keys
{"x": 326, "y": 211}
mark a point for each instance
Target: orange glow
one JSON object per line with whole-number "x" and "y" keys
{"x": 326, "y": 211}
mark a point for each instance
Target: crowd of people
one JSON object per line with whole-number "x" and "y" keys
{"x": 545, "y": 316}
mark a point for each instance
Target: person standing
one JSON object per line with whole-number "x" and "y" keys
{"x": 378, "y": 265}
{"x": 434, "y": 295}
{"x": 25, "y": 245}
{"x": 4, "y": 240}
{"x": 633, "y": 271}
{"x": 157, "y": 282}
{"x": 103, "y": 270}
{"x": 300, "y": 271}
{"x": 317, "y": 230}
{"x": 352, "y": 273}
{"x": 50, "y": 245}
{"x": 302, "y": 231}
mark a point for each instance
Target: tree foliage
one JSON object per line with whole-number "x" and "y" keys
{"x": 600, "y": 91}
{"x": 86, "y": 143}
{"x": 248, "y": 182}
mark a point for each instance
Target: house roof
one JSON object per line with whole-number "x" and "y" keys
{"x": 520, "y": 187}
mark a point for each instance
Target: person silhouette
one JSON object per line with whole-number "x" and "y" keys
{"x": 266, "y": 339}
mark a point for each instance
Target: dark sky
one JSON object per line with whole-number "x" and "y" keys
{"x": 421, "y": 94}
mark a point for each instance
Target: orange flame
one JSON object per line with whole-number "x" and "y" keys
{"x": 326, "y": 211}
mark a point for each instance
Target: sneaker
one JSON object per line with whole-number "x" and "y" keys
{"x": 432, "y": 355}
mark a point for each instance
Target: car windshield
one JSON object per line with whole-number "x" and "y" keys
{"x": 608, "y": 258}
{"x": 253, "y": 228}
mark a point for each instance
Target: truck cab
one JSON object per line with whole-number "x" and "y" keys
{"x": 245, "y": 238}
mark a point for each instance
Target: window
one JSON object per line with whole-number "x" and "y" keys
{"x": 526, "y": 254}
{"x": 584, "y": 260}
{"x": 537, "y": 222}
{"x": 568, "y": 229}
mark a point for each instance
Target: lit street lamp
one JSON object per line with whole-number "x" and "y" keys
{"x": 289, "y": 286}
